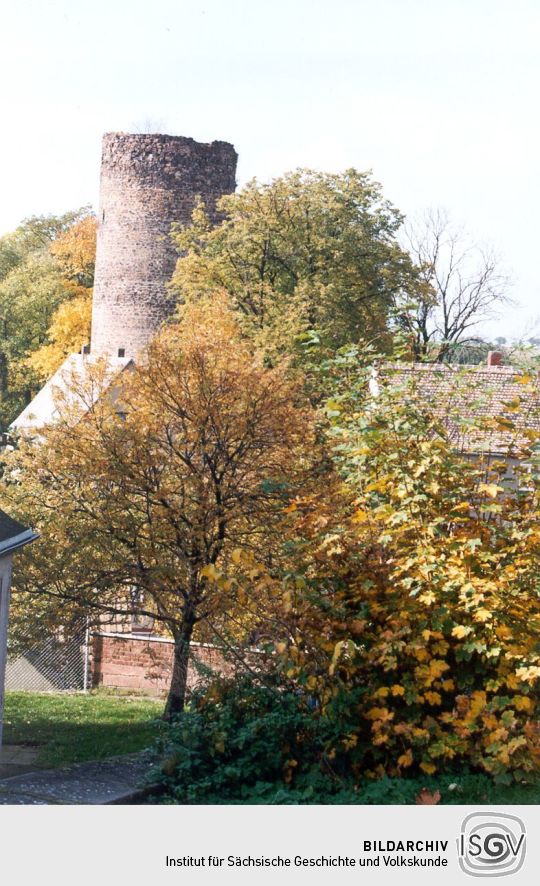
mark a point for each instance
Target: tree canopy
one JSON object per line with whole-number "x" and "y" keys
{"x": 409, "y": 608}
{"x": 45, "y": 263}
{"x": 137, "y": 500}
{"x": 309, "y": 251}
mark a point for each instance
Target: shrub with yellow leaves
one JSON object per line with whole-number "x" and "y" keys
{"x": 437, "y": 557}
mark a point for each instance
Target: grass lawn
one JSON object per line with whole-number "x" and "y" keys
{"x": 72, "y": 728}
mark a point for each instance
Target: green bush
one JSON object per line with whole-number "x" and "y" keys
{"x": 243, "y": 743}
{"x": 248, "y": 743}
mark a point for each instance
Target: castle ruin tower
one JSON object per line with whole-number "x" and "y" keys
{"x": 147, "y": 183}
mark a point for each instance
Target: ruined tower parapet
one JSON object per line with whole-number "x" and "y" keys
{"x": 147, "y": 183}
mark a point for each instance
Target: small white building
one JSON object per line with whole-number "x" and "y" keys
{"x": 12, "y": 537}
{"x": 71, "y": 385}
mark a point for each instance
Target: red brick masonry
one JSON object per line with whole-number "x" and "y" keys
{"x": 125, "y": 661}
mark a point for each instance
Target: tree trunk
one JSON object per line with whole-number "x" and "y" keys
{"x": 3, "y": 374}
{"x": 177, "y": 689}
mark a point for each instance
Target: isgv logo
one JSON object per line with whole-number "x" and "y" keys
{"x": 491, "y": 844}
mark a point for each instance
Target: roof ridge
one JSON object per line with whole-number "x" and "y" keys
{"x": 446, "y": 367}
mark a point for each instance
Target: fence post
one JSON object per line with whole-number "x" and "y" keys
{"x": 86, "y": 655}
{"x": 5, "y": 591}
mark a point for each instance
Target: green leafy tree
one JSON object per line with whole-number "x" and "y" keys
{"x": 309, "y": 251}
{"x": 74, "y": 252}
{"x": 34, "y": 282}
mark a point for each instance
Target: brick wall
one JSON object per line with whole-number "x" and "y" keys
{"x": 141, "y": 663}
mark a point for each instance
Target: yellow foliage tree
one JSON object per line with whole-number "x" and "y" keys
{"x": 68, "y": 332}
{"x": 411, "y": 600}
{"x": 74, "y": 253}
{"x": 139, "y": 504}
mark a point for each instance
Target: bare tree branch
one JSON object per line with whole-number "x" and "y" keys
{"x": 461, "y": 284}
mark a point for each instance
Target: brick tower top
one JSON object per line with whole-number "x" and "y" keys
{"x": 147, "y": 183}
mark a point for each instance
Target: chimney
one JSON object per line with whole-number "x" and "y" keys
{"x": 494, "y": 358}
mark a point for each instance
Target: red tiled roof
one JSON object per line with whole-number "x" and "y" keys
{"x": 485, "y": 409}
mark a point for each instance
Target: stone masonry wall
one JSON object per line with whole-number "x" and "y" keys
{"x": 143, "y": 664}
{"x": 147, "y": 183}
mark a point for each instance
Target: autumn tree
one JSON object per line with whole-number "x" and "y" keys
{"x": 34, "y": 235}
{"x": 33, "y": 284}
{"x": 138, "y": 501}
{"x": 74, "y": 252}
{"x": 68, "y": 331}
{"x": 413, "y": 611}
{"x": 309, "y": 251}
{"x": 461, "y": 284}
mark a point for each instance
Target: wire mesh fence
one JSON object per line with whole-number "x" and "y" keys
{"x": 56, "y": 664}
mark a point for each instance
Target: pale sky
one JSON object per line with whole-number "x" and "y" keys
{"x": 438, "y": 97}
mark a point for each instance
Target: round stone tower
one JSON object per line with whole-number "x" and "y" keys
{"x": 147, "y": 183}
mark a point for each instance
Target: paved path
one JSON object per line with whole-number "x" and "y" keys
{"x": 15, "y": 759}
{"x": 116, "y": 780}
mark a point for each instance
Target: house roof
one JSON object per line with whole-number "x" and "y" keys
{"x": 493, "y": 409}
{"x": 43, "y": 409}
{"x": 13, "y": 534}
